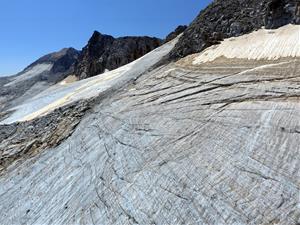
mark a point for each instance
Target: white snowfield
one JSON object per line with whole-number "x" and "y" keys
{"x": 64, "y": 93}
{"x": 258, "y": 45}
{"x": 31, "y": 73}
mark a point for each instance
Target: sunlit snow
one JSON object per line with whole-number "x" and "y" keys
{"x": 261, "y": 44}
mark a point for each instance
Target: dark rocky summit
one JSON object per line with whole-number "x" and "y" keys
{"x": 104, "y": 52}
{"x": 228, "y": 18}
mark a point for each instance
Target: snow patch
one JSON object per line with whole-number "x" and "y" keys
{"x": 258, "y": 45}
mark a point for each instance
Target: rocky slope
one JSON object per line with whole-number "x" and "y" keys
{"x": 229, "y": 18}
{"x": 104, "y": 52}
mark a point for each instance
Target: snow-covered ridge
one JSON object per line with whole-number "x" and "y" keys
{"x": 63, "y": 94}
{"x": 261, "y": 44}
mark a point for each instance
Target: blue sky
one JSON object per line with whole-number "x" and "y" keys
{"x": 33, "y": 28}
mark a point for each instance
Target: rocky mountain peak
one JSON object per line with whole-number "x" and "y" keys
{"x": 98, "y": 42}
{"x": 104, "y": 52}
{"x": 96, "y": 36}
{"x": 62, "y": 61}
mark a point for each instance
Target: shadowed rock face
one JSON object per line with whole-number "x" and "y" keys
{"x": 282, "y": 12}
{"x": 104, "y": 52}
{"x": 228, "y": 18}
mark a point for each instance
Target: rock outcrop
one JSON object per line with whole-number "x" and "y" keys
{"x": 104, "y": 52}
{"x": 228, "y": 18}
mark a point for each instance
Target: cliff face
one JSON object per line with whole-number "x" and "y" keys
{"x": 104, "y": 52}
{"x": 228, "y": 18}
